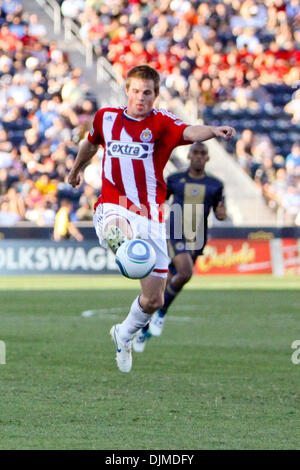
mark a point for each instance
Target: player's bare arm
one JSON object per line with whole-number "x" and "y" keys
{"x": 85, "y": 153}
{"x": 202, "y": 133}
{"x": 220, "y": 211}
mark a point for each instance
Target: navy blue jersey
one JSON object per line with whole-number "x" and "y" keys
{"x": 189, "y": 192}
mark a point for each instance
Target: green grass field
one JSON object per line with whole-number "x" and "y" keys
{"x": 220, "y": 376}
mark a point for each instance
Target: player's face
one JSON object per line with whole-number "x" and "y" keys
{"x": 198, "y": 158}
{"x": 141, "y": 97}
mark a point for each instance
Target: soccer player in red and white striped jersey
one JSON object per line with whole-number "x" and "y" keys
{"x": 137, "y": 141}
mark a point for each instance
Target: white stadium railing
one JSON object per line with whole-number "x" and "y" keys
{"x": 52, "y": 8}
{"x": 71, "y": 32}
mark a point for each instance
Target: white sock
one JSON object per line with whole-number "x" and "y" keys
{"x": 135, "y": 320}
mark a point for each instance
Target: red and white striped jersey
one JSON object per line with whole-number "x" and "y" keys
{"x": 135, "y": 154}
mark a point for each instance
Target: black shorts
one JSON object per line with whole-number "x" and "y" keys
{"x": 175, "y": 247}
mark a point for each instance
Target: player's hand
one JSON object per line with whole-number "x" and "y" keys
{"x": 226, "y": 132}
{"x": 220, "y": 211}
{"x": 74, "y": 179}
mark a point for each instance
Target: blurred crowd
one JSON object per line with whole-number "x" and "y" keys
{"x": 212, "y": 55}
{"x": 205, "y": 50}
{"x": 45, "y": 109}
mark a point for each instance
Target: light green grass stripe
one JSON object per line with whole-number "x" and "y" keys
{"x": 66, "y": 282}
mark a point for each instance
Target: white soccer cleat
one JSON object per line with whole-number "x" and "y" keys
{"x": 123, "y": 356}
{"x": 114, "y": 237}
{"x": 156, "y": 324}
{"x": 139, "y": 341}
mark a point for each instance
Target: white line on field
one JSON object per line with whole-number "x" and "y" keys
{"x": 110, "y": 313}
{"x": 90, "y": 313}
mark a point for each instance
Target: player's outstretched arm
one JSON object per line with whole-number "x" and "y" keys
{"x": 85, "y": 153}
{"x": 200, "y": 133}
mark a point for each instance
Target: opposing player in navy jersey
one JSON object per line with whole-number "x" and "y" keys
{"x": 137, "y": 141}
{"x": 193, "y": 187}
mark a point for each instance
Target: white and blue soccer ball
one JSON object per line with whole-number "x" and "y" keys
{"x": 135, "y": 258}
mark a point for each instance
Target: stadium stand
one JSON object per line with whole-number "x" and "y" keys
{"x": 46, "y": 108}
{"x": 227, "y": 62}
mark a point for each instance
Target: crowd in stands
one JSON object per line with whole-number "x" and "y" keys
{"x": 235, "y": 62}
{"x": 231, "y": 62}
{"x": 45, "y": 109}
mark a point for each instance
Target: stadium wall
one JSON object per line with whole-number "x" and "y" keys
{"x": 28, "y": 230}
{"x": 30, "y": 250}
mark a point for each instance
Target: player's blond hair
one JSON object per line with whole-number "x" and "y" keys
{"x": 144, "y": 72}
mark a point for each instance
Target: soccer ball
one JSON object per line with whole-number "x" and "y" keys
{"x": 135, "y": 258}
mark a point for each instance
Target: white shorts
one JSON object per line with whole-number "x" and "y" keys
{"x": 152, "y": 232}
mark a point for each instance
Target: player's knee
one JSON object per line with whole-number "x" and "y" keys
{"x": 154, "y": 303}
{"x": 185, "y": 276}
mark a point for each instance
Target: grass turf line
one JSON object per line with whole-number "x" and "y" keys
{"x": 89, "y": 282}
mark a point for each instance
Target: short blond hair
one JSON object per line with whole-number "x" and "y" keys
{"x": 144, "y": 72}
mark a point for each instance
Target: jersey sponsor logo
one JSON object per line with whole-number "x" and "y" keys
{"x": 117, "y": 149}
{"x": 146, "y": 135}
